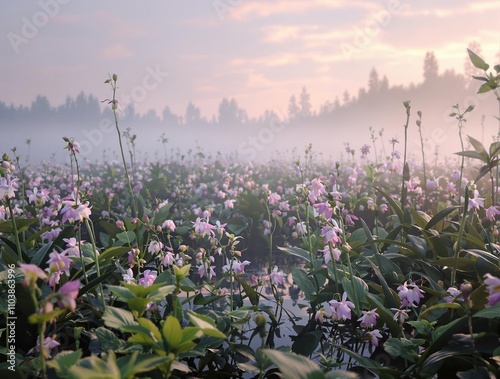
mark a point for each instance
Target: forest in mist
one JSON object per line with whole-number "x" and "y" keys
{"x": 373, "y": 113}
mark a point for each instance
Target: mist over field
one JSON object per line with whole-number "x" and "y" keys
{"x": 376, "y": 111}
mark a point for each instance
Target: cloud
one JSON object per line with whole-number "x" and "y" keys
{"x": 117, "y": 51}
{"x": 267, "y": 9}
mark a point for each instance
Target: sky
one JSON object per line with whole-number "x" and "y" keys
{"x": 259, "y": 52}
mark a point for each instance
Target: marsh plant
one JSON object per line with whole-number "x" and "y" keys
{"x": 209, "y": 267}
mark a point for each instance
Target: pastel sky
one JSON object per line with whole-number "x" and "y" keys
{"x": 260, "y": 52}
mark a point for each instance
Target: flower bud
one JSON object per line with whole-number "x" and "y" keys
{"x": 466, "y": 289}
{"x": 115, "y": 77}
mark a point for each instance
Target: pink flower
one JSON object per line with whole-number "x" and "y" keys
{"x": 369, "y": 318}
{"x": 365, "y": 149}
{"x": 8, "y": 186}
{"x": 59, "y": 262}
{"x": 235, "y": 266}
{"x": 373, "y": 337}
{"x": 476, "y": 202}
{"x": 155, "y": 247}
{"x": 328, "y": 253}
{"x": 329, "y": 233}
{"x": 203, "y": 228}
{"x": 324, "y": 209}
{"x": 68, "y": 294}
{"x": 72, "y": 247}
{"x": 205, "y": 270}
{"x": 493, "y": 287}
{"x": 274, "y": 198}
{"x": 277, "y": 277}
{"x": 169, "y": 224}
{"x": 401, "y": 315}
{"x": 169, "y": 259}
{"x": 48, "y": 344}
{"x": 31, "y": 273}
{"x": 341, "y": 309}
{"x": 148, "y": 278}
{"x": 128, "y": 277}
{"x": 74, "y": 210}
{"x": 492, "y": 212}
{"x": 410, "y": 296}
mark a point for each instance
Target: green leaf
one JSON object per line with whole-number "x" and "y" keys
{"x": 126, "y": 237}
{"x": 172, "y": 333}
{"x": 471, "y": 154}
{"x": 478, "y": 146}
{"x": 440, "y": 216}
{"x": 302, "y": 280}
{"x": 63, "y": 361}
{"x": 22, "y": 224}
{"x": 306, "y": 344}
{"x": 117, "y": 318}
{"x": 253, "y": 296}
{"x": 142, "y": 363}
{"x": 298, "y": 252}
{"x": 121, "y": 292}
{"x": 293, "y": 366}
{"x": 113, "y": 252}
{"x": 489, "y": 312}
{"x": 206, "y": 324}
{"x": 108, "y": 340}
{"x": 426, "y": 314}
{"x": 477, "y": 61}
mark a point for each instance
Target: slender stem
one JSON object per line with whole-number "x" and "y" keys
{"x": 41, "y": 339}
{"x": 113, "y": 107}
{"x": 96, "y": 259}
{"x": 14, "y": 227}
{"x": 458, "y": 243}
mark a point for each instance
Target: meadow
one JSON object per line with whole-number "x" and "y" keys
{"x": 377, "y": 265}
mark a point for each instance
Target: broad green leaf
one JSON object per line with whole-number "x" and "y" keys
{"x": 172, "y": 333}
{"x": 22, "y": 224}
{"x": 143, "y": 363}
{"x": 489, "y": 312}
{"x": 117, "y": 317}
{"x": 63, "y": 361}
{"x": 477, "y": 61}
{"x": 113, "y": 252}
{"x": 121, "y": 292}
{"x": 428, "y": 311}
{"x": 293, "y": 366}
{"x": 302, "y": 280}
{"x": 127, "y": 237}
{"x": 306, "y": 344}
{"x": 298, "y": 252}
{"x": 440, "y": 216}
{"x": 206, "y": 324}
{"x": 108, "y": 340}
{"x": 253, "y": 296}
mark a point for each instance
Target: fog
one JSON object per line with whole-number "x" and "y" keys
{"x": 373, "y": 113}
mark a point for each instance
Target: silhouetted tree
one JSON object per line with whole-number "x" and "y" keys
{"x": 305, "y": 104}
{"x": 293, "y": 108}
{"x": 373, "y": 81}
{"x": 431, "y": 67}
{"x": 193, "y": 114}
